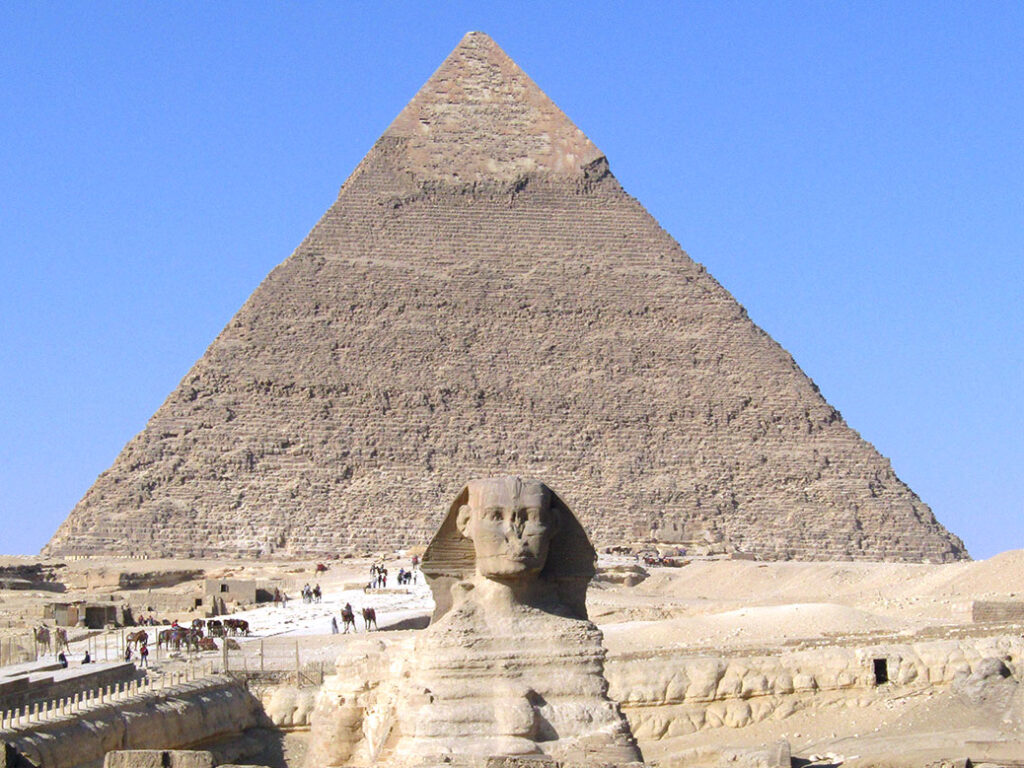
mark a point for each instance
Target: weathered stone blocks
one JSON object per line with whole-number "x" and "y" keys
{"x": 484, "y": 298}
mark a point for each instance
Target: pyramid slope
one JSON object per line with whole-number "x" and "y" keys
{"x": 488, "y": 300}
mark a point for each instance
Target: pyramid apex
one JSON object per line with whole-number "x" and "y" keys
{"x": 480, "y": 118}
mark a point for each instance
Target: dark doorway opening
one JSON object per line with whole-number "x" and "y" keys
{"x": 881, "y": 672}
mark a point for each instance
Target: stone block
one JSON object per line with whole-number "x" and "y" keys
{"x": 158, "y": 758}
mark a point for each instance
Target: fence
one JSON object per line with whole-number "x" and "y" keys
{"x": 282, "y": 660}
{"x": 102, "y": 645}
{"x": 300, "y": 661}
{"x": 303, "y": 661}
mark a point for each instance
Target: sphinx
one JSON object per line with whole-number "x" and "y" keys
{"x": 510, "y": 664}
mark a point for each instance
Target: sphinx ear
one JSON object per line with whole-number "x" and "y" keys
{"x": 555, "y": 518}
{"x": 462, "y": 520}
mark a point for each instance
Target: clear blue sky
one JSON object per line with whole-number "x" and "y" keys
{"x": 852, "y": 172}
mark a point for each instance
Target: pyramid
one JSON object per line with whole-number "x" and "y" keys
{"x": 483, "y": 298}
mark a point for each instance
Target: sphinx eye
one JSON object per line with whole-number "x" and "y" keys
{"x": 494, "y": 513}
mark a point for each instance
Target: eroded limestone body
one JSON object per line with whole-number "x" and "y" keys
{"x": 510, "y": 665}
{"x": 524, "y": 682}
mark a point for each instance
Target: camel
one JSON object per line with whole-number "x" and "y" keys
{"x": 42, "y": 636}
{"x": 370, "y": 617}
{"x": 348, "y": 618}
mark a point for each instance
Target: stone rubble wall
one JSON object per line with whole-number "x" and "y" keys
{"x": 187, "y": 715}
{"x": 987, "y": 611}
{"x": 665, "y": 695}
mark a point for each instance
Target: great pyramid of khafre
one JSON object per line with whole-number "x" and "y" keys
{"x": 484, "y": 298}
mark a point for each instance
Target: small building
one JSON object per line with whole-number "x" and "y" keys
{"x": 91, "y": 615}
{"x": 242, "y": 591}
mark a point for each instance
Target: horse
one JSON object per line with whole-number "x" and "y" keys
{"x": 198, "y": 623}
{"x": 165, "y": 637}
{"x": 42, "y": 637}
{"x": 215, "y": 628}
{"x": 137, "y": 639}
{"x": 370, "y": 617}
{"x": 237, "y": 626}
{"x": 348, "y": 618}
{"x": 191, "y": 638}
{"x": 174, "y": 636}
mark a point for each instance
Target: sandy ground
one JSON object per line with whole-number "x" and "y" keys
{"x": 710, "y": 605}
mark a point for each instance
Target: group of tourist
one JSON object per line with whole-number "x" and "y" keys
{"x": 311, "y": 595}
{"x": 379, "y": 575}
{"x": 143, "y": 654}
{"x": 62, "y": 658}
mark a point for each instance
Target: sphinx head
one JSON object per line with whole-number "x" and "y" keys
{"x": 511, "y": 522}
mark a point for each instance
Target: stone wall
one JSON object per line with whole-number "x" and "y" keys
{"x": 23, "y": 691}
{"x": 997, "y": 611}
{"x": 187, "y": 715}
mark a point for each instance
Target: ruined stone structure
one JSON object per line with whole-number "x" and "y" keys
{"x": 217, "y": 712}
{"x": 485, "y": 298}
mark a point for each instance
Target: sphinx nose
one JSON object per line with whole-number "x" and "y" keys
{"x": 516, "y": 525}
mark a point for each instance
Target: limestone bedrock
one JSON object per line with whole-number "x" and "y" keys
{"x": 509, "y": 666}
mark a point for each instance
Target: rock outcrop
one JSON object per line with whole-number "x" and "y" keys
{"x": 485, "y": 298}
{"x": 667, "y": 694}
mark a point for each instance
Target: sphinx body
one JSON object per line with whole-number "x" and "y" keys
{"x": 528, "y": 682}
{"x": 510, "y": 664}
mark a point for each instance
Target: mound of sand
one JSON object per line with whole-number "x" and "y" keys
{"x": 747, "y": 626}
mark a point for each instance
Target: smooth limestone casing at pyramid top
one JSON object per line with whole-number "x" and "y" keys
{"x": 483, "y": 298}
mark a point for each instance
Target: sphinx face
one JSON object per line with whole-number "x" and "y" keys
{"x": 511, "y": 523}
